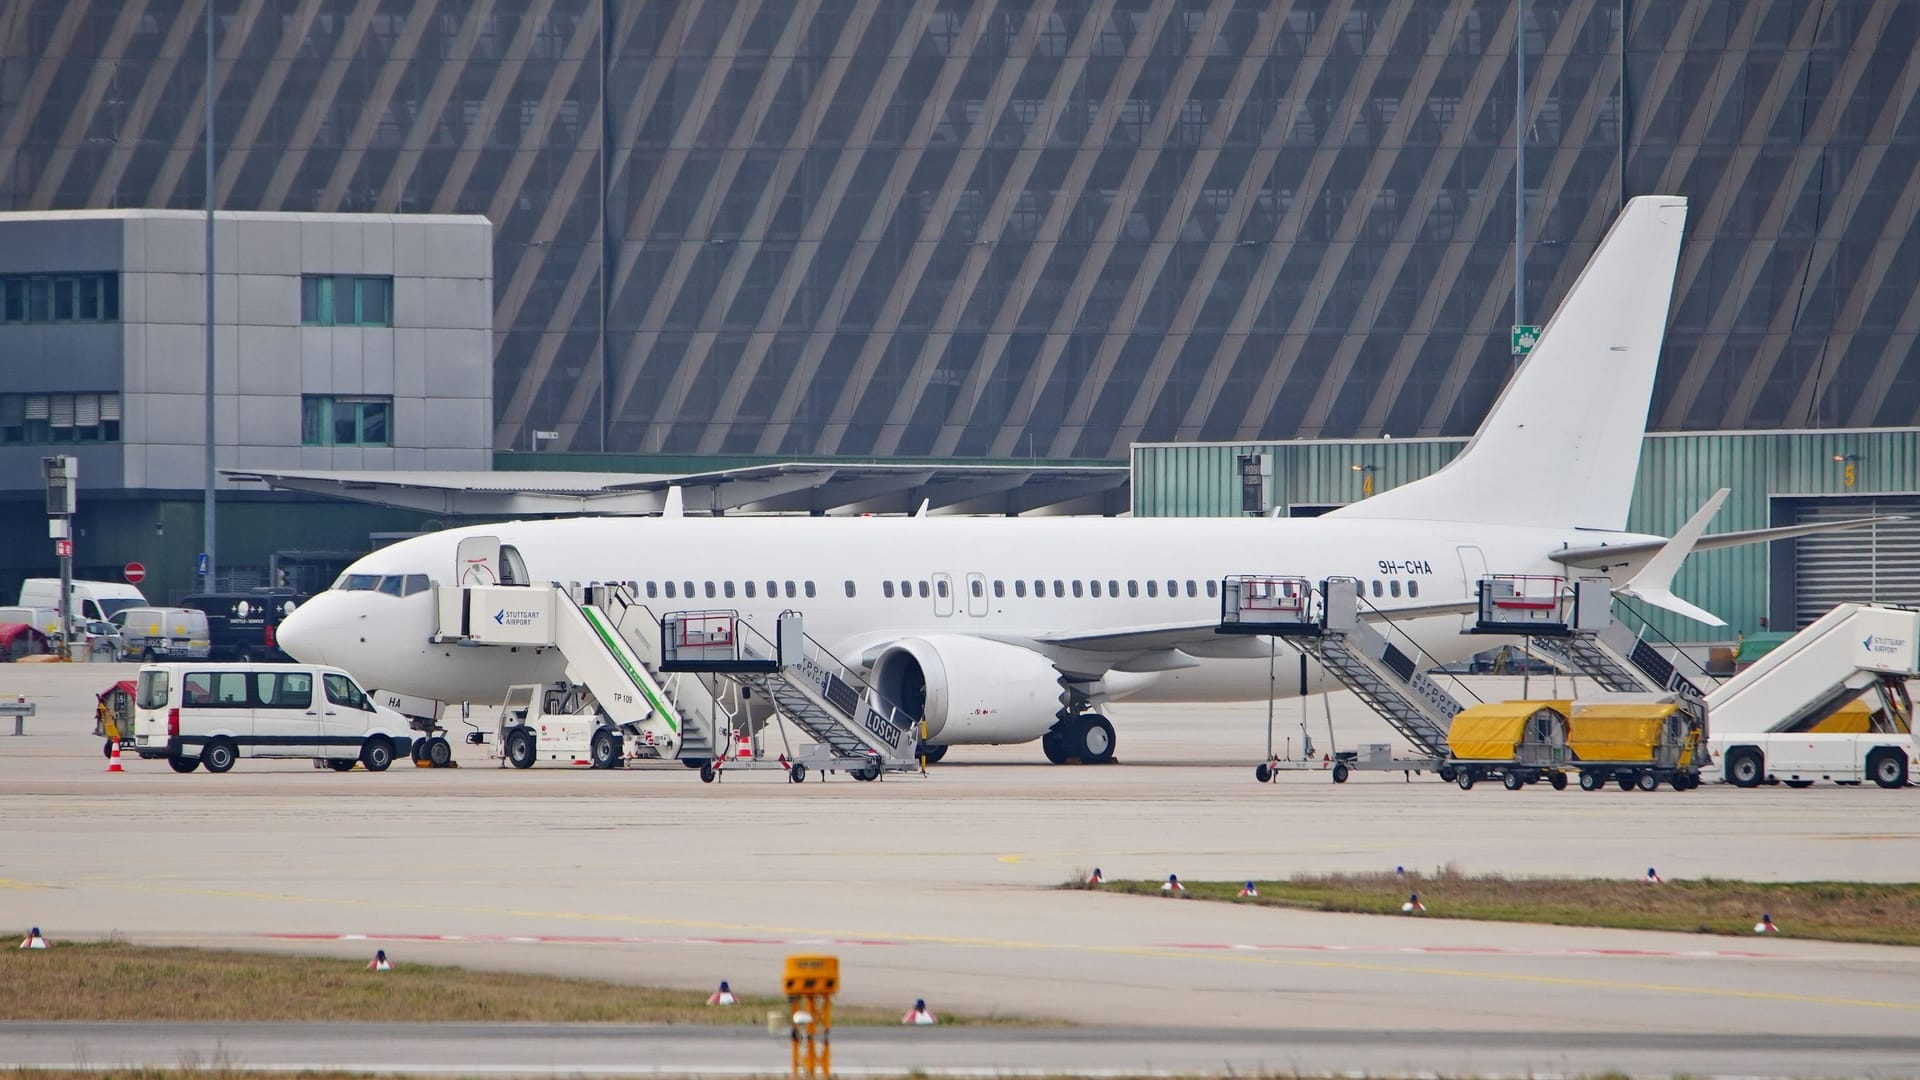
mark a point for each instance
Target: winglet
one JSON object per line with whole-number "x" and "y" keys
{"x": 1654, "y": 583}
{"x": 676, "y": 504}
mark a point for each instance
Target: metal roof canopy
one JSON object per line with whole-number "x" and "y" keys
{"x": 799, "y": 487}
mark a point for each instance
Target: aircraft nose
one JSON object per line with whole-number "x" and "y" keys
{"x": 304, "y": 634}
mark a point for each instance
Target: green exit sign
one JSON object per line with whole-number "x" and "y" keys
{"x": 1524, "y": 339}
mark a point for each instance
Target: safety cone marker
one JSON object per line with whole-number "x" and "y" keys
{"x": 1249, "y": 890}
{"x": 919, "y": 1014}
{"x": 379, "y": 961}
{"x": 1095, "y": 878}
{"x": 1172, "y": 885}
{"x": 113, "y": 759}
{"x": 1413, "y": 905}
{"x": 1765, "y": 925}
{"x": 1399, "y": 871}
{"x": 743, "y": 747}
{"x": 33, "y": 940}
{"x": 1653, "y": 877}
{"x": 723, "y": 996}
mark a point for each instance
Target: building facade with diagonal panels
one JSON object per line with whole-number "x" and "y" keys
{"x": 1040, "y": 228}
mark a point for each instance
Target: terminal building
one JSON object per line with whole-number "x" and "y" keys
{"x": 980, "y": 234}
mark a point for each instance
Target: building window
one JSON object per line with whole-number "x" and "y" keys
{"x": 42, "y": 298}
{"x": 41, "y": 419}
{"x": 342, "y": 300}
{"x": 326, "y": 420}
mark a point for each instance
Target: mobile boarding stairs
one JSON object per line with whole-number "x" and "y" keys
{"x": 619, "y": 703}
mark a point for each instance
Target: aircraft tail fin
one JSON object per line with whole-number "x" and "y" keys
{"x": 1562, "y": 444}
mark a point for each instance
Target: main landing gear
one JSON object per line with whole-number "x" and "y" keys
{"x": 1086, "y": 738}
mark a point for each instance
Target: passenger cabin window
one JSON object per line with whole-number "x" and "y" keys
{"x": 773, "y": 589}
{"x": 1191, "y": 590}
{"x": 1213, "y": 587}
{"x": 1076, "y": 587}
{"x": 886, "y": 588}
{"x": 977, "y": 588}
{"x": 1020, "y": 587}
{"x": 940, "y": 587}
{"x": 1393, "y": 587}
{"x": 1376, "y": 588}
{"x": 1153, "y": 587}
{"x": 1133, "y": 588}
{"x": 748, "y": 585}
{"x": 286, "y": 689}
{"x": 670, "y": 595}
{"x": 1113, "y": 588}
{"x": 710, "y": 590}
{"x": 653, "y": 590}
{"x": 999, "y": 589}
{"x": 1094, "y": 585}
{"x": 688, "y": 586}
{"x": 790, "y": 593}
{"x": 809, "y": 588}
{"x": 726, "y": 589}
{"x": 849, "y": 588}
{"x": 1060, "y": 588}
{"x": 924, "y": 592}
{"x": 1413, "y": 588}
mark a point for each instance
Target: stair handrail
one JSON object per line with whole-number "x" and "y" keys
{"x": 823, "y": 658}
{"x": 1423, "y": 658}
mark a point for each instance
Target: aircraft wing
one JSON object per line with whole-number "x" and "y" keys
{"x": 1130, "y": 639}
{"x": 1604, "y": 555}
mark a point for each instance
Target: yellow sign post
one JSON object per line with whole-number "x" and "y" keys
{"x": 811, "y": 982}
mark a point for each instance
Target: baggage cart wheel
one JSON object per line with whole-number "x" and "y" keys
{"x": 706, "y": 772}
{"x": 1591, "y": 781}
{"x": 1448, "y": 774}
{"x": 1647, "y": 781}
{"x": 1340, "y": 772}
{"x": 1558, "y": 780}
{"x": 1465, "y": 779}
{"x": 1626, "y": 781}
{"x": 1512, "y": 781}
{"x": 1262, "y": 773}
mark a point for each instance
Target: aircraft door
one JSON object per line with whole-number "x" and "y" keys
{"x": 1473, "y": 567}
{"x": 943, "y": 595}
{"x": 977, "y": 595}
{"x": 477, "y": 561}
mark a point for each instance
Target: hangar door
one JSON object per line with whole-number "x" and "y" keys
{"x": 1878, "y": 563}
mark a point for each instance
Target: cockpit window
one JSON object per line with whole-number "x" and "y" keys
{"x": 391, "y": 584}
{"x": 358, "y": 582}
{"x": 416, "y": 583}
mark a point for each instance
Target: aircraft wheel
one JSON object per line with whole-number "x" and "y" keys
{"x": 520, "y": 749}
{"x": 932, "y": 753}
{"x": 418, "y": 751}
{"x": 1340, "y": 772}
{"x": 1093, "y": 741}
{"x": 1055, "y": 749}
{"x": 439, "y": 752}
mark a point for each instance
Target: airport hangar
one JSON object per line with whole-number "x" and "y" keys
{"x": 973, "y": 235}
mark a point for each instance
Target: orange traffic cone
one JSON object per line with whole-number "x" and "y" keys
{"x": 113, "y": 758}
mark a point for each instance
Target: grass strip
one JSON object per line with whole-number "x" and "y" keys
{"x": 118, "y": 981}
{"x": 1870, "y": 913}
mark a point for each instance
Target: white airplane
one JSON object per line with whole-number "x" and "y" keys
{"x": 1005, "y": 630}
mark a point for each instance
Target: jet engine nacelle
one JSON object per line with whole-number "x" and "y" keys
{"x": 970, "y": 690}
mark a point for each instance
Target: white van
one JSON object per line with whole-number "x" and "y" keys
{"x": 154, "y": 633}
{"x": 90, "y": 599}
{"x": 191, "y": 714}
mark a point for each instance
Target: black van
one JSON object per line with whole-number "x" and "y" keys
{"x": 243, "y": 626}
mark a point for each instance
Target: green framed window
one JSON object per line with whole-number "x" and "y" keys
{"x": 327, "y": 420}
{"x": 345, "y": 300}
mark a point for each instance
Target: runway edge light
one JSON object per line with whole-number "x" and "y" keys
{"x": 1249, "y": 889}
{"x": 723, "y": 996}
{"x": 1413, "y": 906}
{"x": 1172, "y": 886}
{"x": 1653, "y": 877}
{"x": 1095, "y": 878}
{"x": 1765, "y": 925}
{"x": 33, "y": 940}
{"x": 379, "y": 961}
{"x": 919, "y": 1014}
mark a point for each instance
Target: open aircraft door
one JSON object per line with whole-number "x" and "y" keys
{"x": 1473, "y": 567}
{"x": 477, "y": 561}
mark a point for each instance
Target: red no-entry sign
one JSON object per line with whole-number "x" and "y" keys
{"x": 135, "y": 573}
